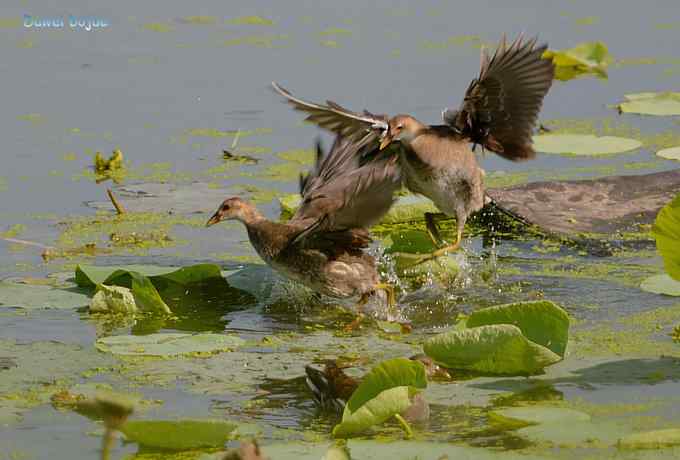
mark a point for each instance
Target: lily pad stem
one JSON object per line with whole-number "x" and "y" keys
{"x": 114, "y": 201}
{"x": 404, "y": 425}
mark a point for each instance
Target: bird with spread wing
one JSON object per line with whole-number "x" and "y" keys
{"x": 498, "y": 113}
{"x": 321, "y": 246}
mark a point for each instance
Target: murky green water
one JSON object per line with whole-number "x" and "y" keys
{"x": 169, "y": 84}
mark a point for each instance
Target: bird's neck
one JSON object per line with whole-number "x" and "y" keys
{"x": 267, "y": 237}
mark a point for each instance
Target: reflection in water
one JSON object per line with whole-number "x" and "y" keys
{"x": 199, "y": 307}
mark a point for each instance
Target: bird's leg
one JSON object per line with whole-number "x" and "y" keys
{"x": 443, "y": 250}
{"x": 363, "y": 300}
{"x": 450, "y": 247}
{"x": 389, "y": 291}
{"x": 432, "y": 229}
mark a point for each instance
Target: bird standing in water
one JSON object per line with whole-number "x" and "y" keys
{"x": 322, "y": 245}
{"x": 498, "y": 112}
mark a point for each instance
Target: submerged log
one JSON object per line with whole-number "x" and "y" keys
{"x": 595, "y": 213}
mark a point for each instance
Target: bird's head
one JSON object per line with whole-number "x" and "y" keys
{"x": 402, "y": 128}
{"x": 232, "y": 209}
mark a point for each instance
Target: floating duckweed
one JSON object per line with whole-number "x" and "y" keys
{"x": 250, "y": 20}
{"x": 260, "y": 41}
{"x": 587, "y": 21}
{"x": 200, "y": 20}
{"x": 211, "y": 132}
{"x": 14, "y": 231}
{"x": 70, "y": 156}
{"x": 158, "y": 27}
{"x": 329, "y": 43}
{"x": 10, "y": 23}
{"x": 335, "y": 31}
{"x": 34, "y": 118}
{"x": 301, "y": 156}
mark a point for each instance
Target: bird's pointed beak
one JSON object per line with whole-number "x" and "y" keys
{"x": 215, "y": 219}
{"x": 385, "y": 140}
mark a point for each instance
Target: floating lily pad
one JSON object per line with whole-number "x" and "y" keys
{"x": 661, "y": 284}
{"x": 145, "y": 289}
{"x": 523, "y": 416}
{"x": 496, "y": 349}
{"x": 90, "y": 275}
{"x": 179, "y": 434}
{"x": 384, "y": 406}
{"x": 543, "y": 322}
{"x": 583, "y": 144}
{"x": 386, "y": 391}
{"x": 651, "y": 439}
{"x": 394, "y": 450}
{"x": 575, "y": 433}
{"x": 590, "y": 58}
{"x": 14, "y": 294}
{"x": 666, "y": 231}
{"x": 168, "y": 344}
{"x": 672, "y": 153}
{"x": 651, "y": 103}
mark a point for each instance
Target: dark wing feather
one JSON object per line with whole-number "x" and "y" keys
{"x": 336, "y": 118}
{"x": 500, "y": 107}
{"x": 340, "y": 195}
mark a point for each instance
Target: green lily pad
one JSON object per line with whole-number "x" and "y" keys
{"x": 145, "y": 289}
{"x": 666, "y": 231}
{"x": 661, "y": 284}
{"x": 661, "y": 104}
{"x": 384, "y": 406}
{"x": 409, "y": 241}
{"x": 113, "y": 299}
{"x": 385, "y": 391}
{"x": 543, "y": 322}
{"x": 90, "y": 275}
{"x": 495, "y": 349}
{"x": 388, "y": 374}
{"x": 168, "y": 344}
{"x": 28, "y": 296}
{"x": 515, "y": 417}
{"x": 179, "y": 434}
{"x": 672, "y": 153}
{"x": 575, "y": 433}
{"x": 651, "y": 439}
{"x": 583, "y": 144}
{"x": 590, "y": 58}
{"x": 393, "y": 450}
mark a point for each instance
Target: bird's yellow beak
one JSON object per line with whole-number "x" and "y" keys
{"x": 215, "y": 219}
{"x": 385, "y": 141}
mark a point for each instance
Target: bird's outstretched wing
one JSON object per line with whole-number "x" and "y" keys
{"x": 500, "y": 107}
{"x": 335, "y": 118}
{"x": 342, "y": 198}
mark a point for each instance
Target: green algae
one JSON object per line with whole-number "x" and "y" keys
{"x": 200, "y": 20}
{"x": 259, "y": 41}
{"x": 158, "y": 27}
{"x": 14, "y": 231}
{"x": 216, "y": 133}
{"x": 250, "y": 20}
{"x": 633, "y": 335}
{"x": 127, "y": 233}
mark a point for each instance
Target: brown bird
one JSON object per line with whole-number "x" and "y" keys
{"x": 498, "y": 112}
{"x": 332, "y": 387}
{"x": 321, "y": 246}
